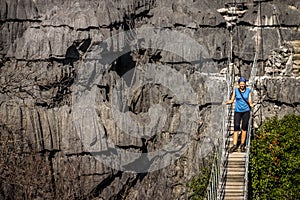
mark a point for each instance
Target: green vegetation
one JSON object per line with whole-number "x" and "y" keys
{"x": 275, "y": 160}
{"x": 198, "y": 185}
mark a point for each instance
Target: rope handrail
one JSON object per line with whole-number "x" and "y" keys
{"x": 248, "y": 139}
{"x": 225, "y": 154}
{"x": 218, "y": 172}
{"x": 213, "y": 186}
{"x": 249, "y": 131}
{"x": 212, "y": 189}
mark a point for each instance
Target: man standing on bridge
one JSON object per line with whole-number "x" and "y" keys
{"x": 243, "y": 105}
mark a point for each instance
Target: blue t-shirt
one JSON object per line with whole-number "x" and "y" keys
{"x": 240, "y": 104}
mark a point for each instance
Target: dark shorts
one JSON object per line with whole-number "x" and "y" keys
{"x": 244, "y": 116}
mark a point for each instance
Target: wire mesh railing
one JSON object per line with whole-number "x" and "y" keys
{"x": 215, "y": 189}
{"x": 225, "y": 154}
{"x": 216, "y": 186}
{"x": 247, "y": 159}
{"x": 213, "y": 185}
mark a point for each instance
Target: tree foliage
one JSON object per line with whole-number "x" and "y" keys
{"x": 198, "y": 184}
{"x": 275, "y": 159}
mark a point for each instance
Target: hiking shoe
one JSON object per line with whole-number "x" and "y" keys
{"x": 242, "y": 148}
{"x": 233, "y": 148}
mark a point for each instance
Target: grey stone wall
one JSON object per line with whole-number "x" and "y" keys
{"x": 54, "y": 56}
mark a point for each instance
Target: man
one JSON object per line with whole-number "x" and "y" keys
{"x": 243, "y": 105}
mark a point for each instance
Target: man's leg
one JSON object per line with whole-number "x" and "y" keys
{"x": 235, "y": 137}
{"x": 243, "y": 140}
{"x": 244, "y": 134}
{"x": 245, "y": 122}
{"x": 237, "y": 121}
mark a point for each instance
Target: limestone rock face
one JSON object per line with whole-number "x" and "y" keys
{"x": 280, "y": 96}
{"x": 122, "y": 99}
